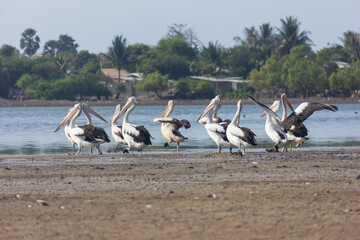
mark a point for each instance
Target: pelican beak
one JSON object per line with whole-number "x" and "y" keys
{"x": 166, "y": 110}
{"x": 289, "y": 104}
{"x": 90, "y": 110}
{"x": 118, "y": 115}
{"x": 70, "y": 114}
{"x": 207, "y": 109}
{"x": 115, "y": 116}
{"x": 264, "y": 113}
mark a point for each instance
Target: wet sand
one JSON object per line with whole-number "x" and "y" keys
{"x": 298, "y": 195}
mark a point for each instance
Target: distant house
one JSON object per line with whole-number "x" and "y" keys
{"x": 223, "y": 85}
{"x": 342, "y": 64}
{"x": 128, "y": 79}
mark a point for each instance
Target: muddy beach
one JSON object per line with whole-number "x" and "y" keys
{"x": 298, "y": 195}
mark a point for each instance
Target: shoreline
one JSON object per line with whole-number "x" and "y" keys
{"x": 297, "y": 195}
{"x": 143, "y": 101}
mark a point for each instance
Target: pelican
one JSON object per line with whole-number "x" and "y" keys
{"x": 293, "y": 124}
{"x": 215, "y": 130}
{"x": 273, "y": 124}
{"x": 134, "y": 135}
{"x": 238, "y": 135}
{"x": 67, "y": 134}
{"x": 170, "y": 126}
{"x": 84, "y": 136}
{"x": 116, "y": 130}
{"x": 98, "y": 132}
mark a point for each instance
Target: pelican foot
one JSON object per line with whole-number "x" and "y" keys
{"x": 271, "y": 150}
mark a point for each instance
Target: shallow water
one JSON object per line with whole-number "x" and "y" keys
{"x": 30, "y": 130}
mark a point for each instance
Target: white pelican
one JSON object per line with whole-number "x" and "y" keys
{"x": 98, "y": 132}
{"x": 67, "y": 134}
{"x": 135, "y": 136}
{"x": 116, "y": 130}
{"x": 84, "y": 136}
{"x": 293, "y": 124}
{"x": 215, "y": 130}
{"x": 238, "y": 135}
{"x": 170, "y": 126}
{"x": 273, "y": 124}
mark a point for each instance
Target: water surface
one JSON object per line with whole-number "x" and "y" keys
{"x": 30, "y": 130}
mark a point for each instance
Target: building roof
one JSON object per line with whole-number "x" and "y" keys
{"x": 233, "y": 79}
{"x": 114, "y": 73}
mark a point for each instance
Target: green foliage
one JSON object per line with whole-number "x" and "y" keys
{"x": 118, "y": 53}
{"x": 153, "y": 82}
{"x": 239, "y": 94}
{"x": 203, "y": 89}
{"x": 66, "y": 44}
{"x": 347, "y": 80}
{"x": 170, "y": 57}
{"x": 296, "y": 72}
{"x": 182, "y": 86}
{"x": 29, "y": 42}
{"x": 290, "y": 35}
{"x": 8, "y": 51}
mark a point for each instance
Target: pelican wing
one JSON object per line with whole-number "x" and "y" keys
{"x": 140, "y": 134}
{"x": 117, "y": 130}
{"x": 268, "y": 111}
{"x": 181, "y": 123}
{"x": 244, "y": 134}
{"x": 293, "y": 124}
{"x": 304, "y": 110}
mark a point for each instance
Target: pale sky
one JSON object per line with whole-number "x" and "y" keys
{"x": 93, "y": 23}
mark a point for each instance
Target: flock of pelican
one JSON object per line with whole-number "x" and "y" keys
{"x": 225, "y": 133}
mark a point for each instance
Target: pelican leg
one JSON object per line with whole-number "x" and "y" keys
{"x": 98, "y": 148}
{"x": 166, "y": 144}
{"x": 73, "y": 147}
{"x": 177, "y": 147}
{"x": 230, "y": 150}
{"x": 79, "y": 151}
{"x": 117, "y": 147}
{"x": 243, "y": 152}
{"x": 91, "y": 150}
{"x": 290, "y": 147}
{"x": 219, "y": 149}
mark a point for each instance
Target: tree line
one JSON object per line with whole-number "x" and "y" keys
{"x": 272, "y": 59}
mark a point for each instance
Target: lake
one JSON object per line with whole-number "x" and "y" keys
{"x": 30, "y": 130}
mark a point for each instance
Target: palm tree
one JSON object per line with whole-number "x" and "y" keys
{"x": 266, "y": 40}
{"x": 351, "y": 42}
{"x": 290, "y": 35}
{"x": 118, "y": 53}
{"x": 214, "y": 53}
{"x": 29, "y": 42}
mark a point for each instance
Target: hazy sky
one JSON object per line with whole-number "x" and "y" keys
{"x": 93, "y": 23}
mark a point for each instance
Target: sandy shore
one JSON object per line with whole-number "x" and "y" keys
{"x": 298, "y": 195}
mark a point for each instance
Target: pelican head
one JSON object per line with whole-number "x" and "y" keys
{"x": 87, "y": 109}
{"x": 129, "y": 106}
{"x": 168, "y": 109}
{"x": 116, "y": 113}
{"x": 237, "y": 116}
{"x": 274, "y": 107}
{"x": 74, "y": 111}
{"x": 213, "y": 106}
{"x": 284, "y": 99}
